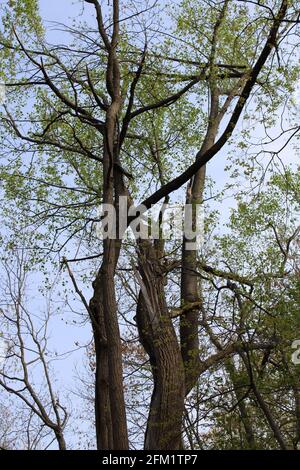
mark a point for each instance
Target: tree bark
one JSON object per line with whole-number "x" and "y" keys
{"x": 104, "y": 433}
{"x": 159, "y": 338}
{"x": 190, "y": 286}
{"x": 238, "y": 391}
{"x": 61, "y": 440}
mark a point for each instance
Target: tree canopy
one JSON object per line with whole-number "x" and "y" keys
{"x": 158, "y": 103}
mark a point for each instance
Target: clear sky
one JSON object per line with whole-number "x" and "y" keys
{"x": 63, "y": 334}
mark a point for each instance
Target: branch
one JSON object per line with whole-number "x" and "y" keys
{"x": 212, "y": 151}
{"x": 101, "y": 27}
{"x": 83, "y": 300}
{"x": 233, "y": 348}
{"x": 169, "y": 100}
{"x": 134, "y": 83}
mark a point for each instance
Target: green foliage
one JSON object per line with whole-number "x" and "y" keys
{"x": 22, "y": 15}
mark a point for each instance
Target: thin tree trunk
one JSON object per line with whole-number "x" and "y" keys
{"x": 61, "y": 440}
{"x": 263, "y": 405}
{"x": 238, "y": 391}
{"x": 190, "y": 285}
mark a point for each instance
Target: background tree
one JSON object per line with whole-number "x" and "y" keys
{"x": 26, "y": 372}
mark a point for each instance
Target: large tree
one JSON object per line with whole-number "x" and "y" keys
{"x": 135, "y": 104}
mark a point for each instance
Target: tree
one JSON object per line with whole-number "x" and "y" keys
{"x": 26, "y": 358}
{"x": 105, "y": 106}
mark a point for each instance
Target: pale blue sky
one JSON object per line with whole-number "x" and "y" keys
{"x": 64, "y": 335}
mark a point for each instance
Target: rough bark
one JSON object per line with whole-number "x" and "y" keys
{"x": 160, "y": 341}
{"x": 104, "y": 434}
{"x": 110, "y": 356}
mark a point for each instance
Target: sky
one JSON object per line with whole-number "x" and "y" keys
{"x": 62, "y": 332}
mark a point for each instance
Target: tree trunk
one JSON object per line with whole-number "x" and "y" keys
{"x": 109, "y": 361}
{"x": 160, "y": 341}
{"x": 114, "y": 351}
{"x": 104, "y": 433}
{"x": 238, "y": 391}
{"x": 190, "y": 286}
{"x": 61, "y": 440}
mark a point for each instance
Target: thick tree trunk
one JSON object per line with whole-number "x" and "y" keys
{"x": 109, "y": 372}
{"x": 114, "y": 351}
{"x": 104, "y": 434}
{"x": 112, "y": 357}
{"x": 159, "y": 339}
{"x": 111, "y": 426}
